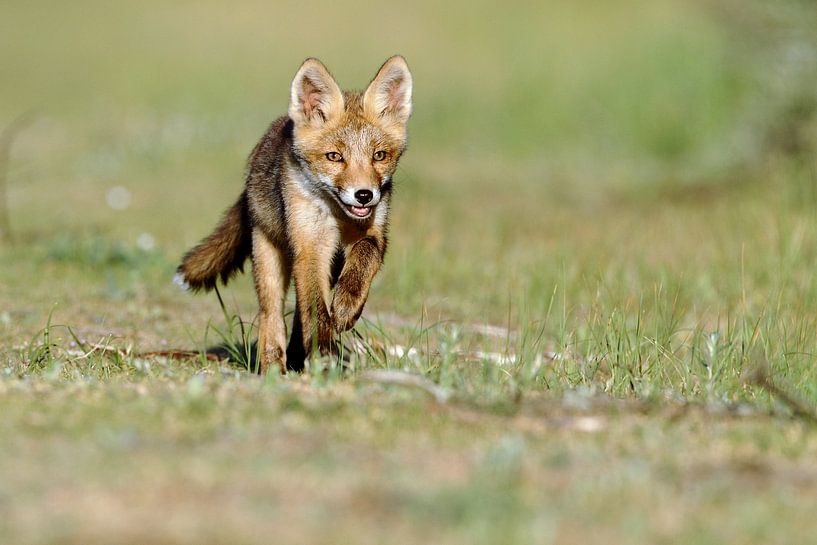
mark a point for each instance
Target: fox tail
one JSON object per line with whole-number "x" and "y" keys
{"x": 221, "y": 254}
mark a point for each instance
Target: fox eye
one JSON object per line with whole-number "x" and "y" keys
{"x": 334, "y": 156}
{"x": 379, "y": 155}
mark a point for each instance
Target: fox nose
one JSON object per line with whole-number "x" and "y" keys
{"x": 363, "y": 196}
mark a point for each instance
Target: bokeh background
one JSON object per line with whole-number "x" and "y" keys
{"x": 588, "y": 156}
{"x": 629, "y": 187}
{"x": 532, "y": 120}
{"x": 525, "y": 111}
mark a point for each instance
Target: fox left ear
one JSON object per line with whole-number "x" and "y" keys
{"x": 389, "y": 93}
{"x": 314, "y": 96}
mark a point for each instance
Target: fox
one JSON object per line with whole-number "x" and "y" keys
{"x": 314, "y": 211}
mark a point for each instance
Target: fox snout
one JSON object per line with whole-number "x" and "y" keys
{"x": 360, "y": 196}
{"x": 359, "y": 201}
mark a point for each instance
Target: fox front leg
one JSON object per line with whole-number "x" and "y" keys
{"x": 352, "y": 289}
{"x": 312, "y": 322}
{"x": 271, "y": 276}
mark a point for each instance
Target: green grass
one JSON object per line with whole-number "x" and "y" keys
{"x": 624, "y": 191}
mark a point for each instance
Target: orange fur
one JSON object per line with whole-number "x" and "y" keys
{"x": 314, "y": 210}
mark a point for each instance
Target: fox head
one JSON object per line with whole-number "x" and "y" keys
{"x": 348, "y": 143}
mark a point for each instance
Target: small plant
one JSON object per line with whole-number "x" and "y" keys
{"x": 41, "y": 348}
{"x": 44, "y": 353}
{"x": 236, "y": 339}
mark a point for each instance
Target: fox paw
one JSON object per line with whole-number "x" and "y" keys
{"x": 346, "y": 309}
{"x": 273, "y": 359}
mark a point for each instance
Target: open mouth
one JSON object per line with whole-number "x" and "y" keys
{"x": 354, "y": 211}
{"x": 361, "y": 212}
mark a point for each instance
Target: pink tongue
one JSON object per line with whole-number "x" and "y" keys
{"x": 359, "y": 211}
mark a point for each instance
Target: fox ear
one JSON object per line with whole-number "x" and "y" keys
{"x": 315, "y": 96}
{"x": 389, "y": 93}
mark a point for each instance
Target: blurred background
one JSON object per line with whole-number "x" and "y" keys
{"x": 625, "y": 189}
{"x": 551, "y": 141}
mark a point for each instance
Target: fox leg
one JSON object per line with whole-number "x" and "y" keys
{"x": 311, "y": 270}
{"x": 271, "y": 274}
{"x": 352, "y": 289}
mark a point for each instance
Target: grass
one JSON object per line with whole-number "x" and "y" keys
{"x": 624, "y": 193}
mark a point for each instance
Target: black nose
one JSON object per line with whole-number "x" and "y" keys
{"x": 363, "y": 196}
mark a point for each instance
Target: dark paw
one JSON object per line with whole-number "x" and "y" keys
{"x": 347, "y": 305}
{"x": 345, "y": 314}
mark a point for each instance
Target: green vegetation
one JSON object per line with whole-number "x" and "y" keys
{"x": 624, "y": 192}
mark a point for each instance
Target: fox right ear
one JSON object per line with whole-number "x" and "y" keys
{"x": 389, "y": 94}
{"x": 315, "y": 96}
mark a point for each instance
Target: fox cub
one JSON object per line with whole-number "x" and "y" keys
{"x": 314, "y": 210}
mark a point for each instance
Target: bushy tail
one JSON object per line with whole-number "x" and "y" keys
{"x": 222, "y": 254}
